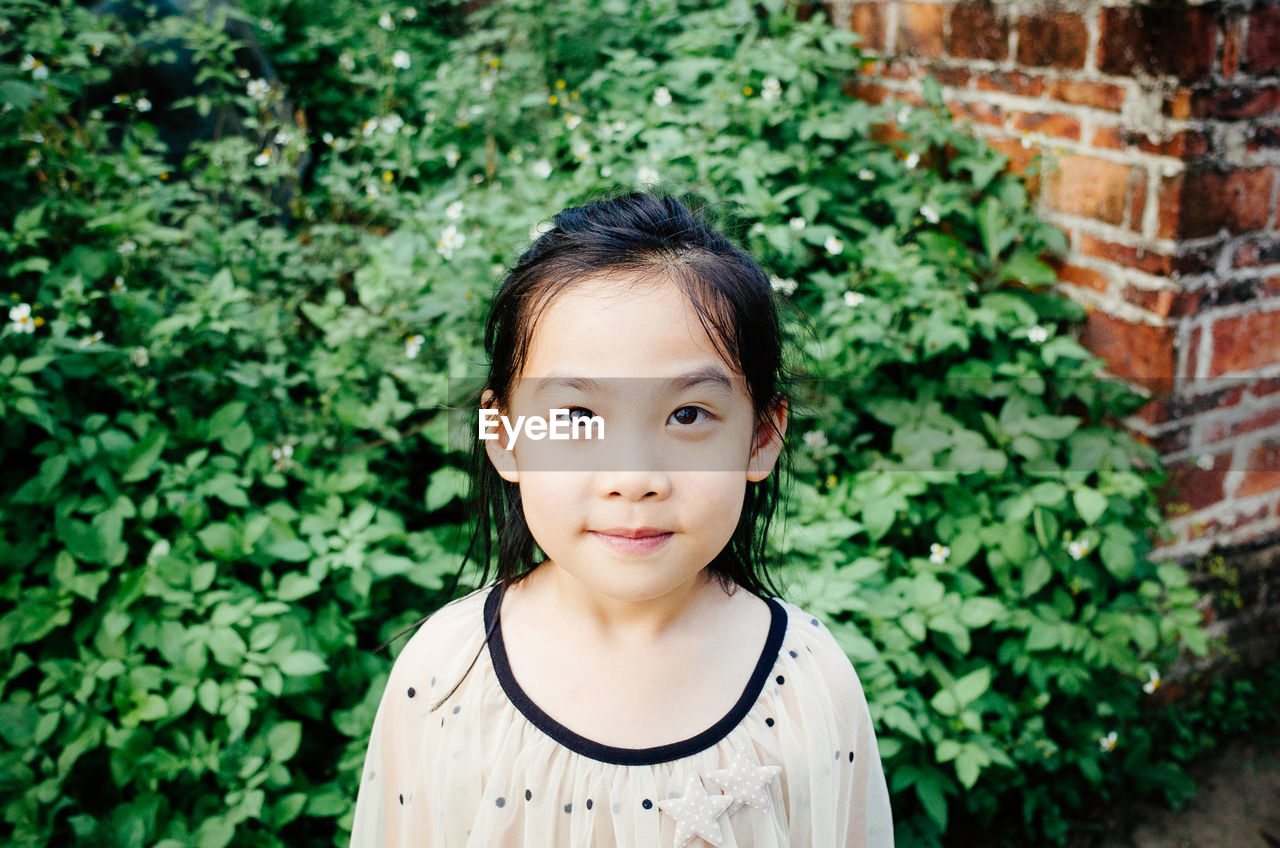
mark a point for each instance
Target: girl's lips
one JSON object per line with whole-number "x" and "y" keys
{"x": 633, "y": 544}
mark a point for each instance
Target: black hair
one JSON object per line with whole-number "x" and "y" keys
{"x": 640, "y": 236}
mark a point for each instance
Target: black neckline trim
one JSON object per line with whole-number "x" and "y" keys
{"x": 631, "y": 756}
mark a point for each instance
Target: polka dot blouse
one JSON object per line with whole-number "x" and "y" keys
{"x": 794, "y": 763}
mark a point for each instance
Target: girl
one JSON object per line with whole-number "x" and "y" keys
{"x": 628, "y": 679}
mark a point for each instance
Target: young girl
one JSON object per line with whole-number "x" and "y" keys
{"x": 628, "y": 679}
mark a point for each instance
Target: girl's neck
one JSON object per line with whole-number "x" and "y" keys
{"x": 608, "y": 619}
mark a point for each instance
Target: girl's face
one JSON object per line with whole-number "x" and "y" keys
{"x": 637, "y": 515}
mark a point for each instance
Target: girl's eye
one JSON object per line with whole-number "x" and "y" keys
{"x": 688, "y": 415}
{"x": 580, "y": 412}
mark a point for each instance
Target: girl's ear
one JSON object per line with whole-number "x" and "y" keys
{"x": 504, "y": 461}
{"x": 768, "y": 444}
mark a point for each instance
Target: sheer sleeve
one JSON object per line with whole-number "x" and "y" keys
{"x": 848, "y": 797}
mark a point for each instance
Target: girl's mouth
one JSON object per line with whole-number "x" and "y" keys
{"x": 640, "y": 540}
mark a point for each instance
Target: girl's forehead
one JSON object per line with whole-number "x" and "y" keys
{"x": 620, "y": 325}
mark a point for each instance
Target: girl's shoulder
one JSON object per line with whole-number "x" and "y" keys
{"x": 809, "y": 638}
{"x": 445, "y": 635}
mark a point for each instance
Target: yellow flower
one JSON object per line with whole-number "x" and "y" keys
{"x": 748, "y": 90}
{"x": 387, "y": 176}
{"x": 553, "y": 100}
{"x": 573, "y": 95}
{"x": 831, "y": 481}
{"x": 165, "y": 176}
{"x": 493, "y": 63}
{"x": 38, "y": 321}
{"x": 560, "y": 84}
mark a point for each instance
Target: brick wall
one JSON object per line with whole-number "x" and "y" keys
{"x": 1159, "y": 127}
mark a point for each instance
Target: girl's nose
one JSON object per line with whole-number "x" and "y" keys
{"x": 636, "y": 485}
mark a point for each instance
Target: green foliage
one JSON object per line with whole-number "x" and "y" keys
{"x": 227, "y": 476}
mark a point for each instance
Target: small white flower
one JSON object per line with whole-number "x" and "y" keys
{"x": 118, "y": 284}
{"x": 413, "y": 345}
{"x": 618, "y": 126}
{"x": 903, "y": 114}
{"x": 580, "y": 149}
{"x": 571, "y": 121}
{"x": 1037, "y": 334}
{"x": 34, "y": 158}
{"x": 140, "y": 357}
{"x": 486, "y": 83}
{"x": 409, "y": 13}
{"x": 95, "y": 49}
{"x": 606, "y": 171}
{"x": 647, "y": 175}
{"x": 853, "y": 299}
{"x": 281, "y": 137}
{"x": 540, "y": 229}
{"x": 1078, "y": 549}
{"x": 258, "y": 88}
{"x": 662, "y": 97}
{"x": 346, "y": 62}
{"x": 913, "y": 160}
{"x": 797, "y": 223}
{"x": 369, "y": 127}
{"x": 401, "y": 60}
{"x": 34, "y": 138}
{"x": 263, "y": 158}
{"x": 930, "y": 214}
{"x": 815, "y": 440}
{"x": 771, "y": 89}
{"x": 451, "y": 157}
{"x": 242, "y": 74}
{"x": 938, "y": 554}
{"x": 454, "y": 210}
{"x": 541, "y": 169}
{"x": 833, "y": 245}
{"x": 127, "y": 247}
{"x": 371, "y": 190}
{"x": 391, "y": 124}
{"x": 20, "y": 320}
{"x": 91, "y": 339}
{"x": 39, "y": 70}
{"x": 327, "y": 138}
{"x": 450, "y": 240}
{"x": 1153, "y": 681}
{"x": 283, "y": 456}
{"x": 120, "y": 99}
{"x": 866, "y": 174}
{"x": 1026, "y": 141}
{"x": 142, "y": 104}
{"x": 1204, "y": 462}
{"x": 1107, "y": 743}
{"x": 477, "y": 179}
{"x": 386, "y": 22}
{"x": 267, "y": 24}
{"x": 783, "y": 285}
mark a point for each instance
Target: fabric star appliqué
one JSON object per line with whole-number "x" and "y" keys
{"x": 695, "y": 813}
{"x": 746, "y": 784}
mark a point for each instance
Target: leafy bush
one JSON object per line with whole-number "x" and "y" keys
{"x": 228, "y": 478}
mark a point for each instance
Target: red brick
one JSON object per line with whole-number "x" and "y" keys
{"x": 1231, "y": 48}
{"x": 1220, "y": 430}
{"x": 1099, "y": 95}
{"x": 1059, "y": 126}
{"x": 1158, "y": 40}
{"x": 900, "y": 70}
{"x": 920, "y": 27}
{"x": 955, "y": 77}
{"x": 1235, "y": 102}
{"x": 1137, "y": 199}
{"x": 1076, "y": 275}
{"x": 977, "y": 111}
{"x": 863, "y": 89}
{"x": 1245, "y": 343}
{"x": 1201, "y": 202}
{"x": 1010, "y": 83}
{"x": 1192, "y": 370}
{"x": 1186, "y": 144}
{"x": 1262, "y": 50}
{"x": 1261, "y": 388}
{"x": 1262, "y": 470}
{"x": 1058, "y": 41}
{"x": 1159, "y": 302}
{"x": 1138, "y": 352}
{"x": 1193, "y": 487}
{"x": 1020, "y": 160}
{"x": 1132, "y": 257}
{"x": 1091, "y": 188}
{"x": 1177, "y": 104}
{"x": 1262, "y": 137}
{"x": 978, "y": 31}
{"x": 868, "y": 21}
{"x": 1252, "y": 253}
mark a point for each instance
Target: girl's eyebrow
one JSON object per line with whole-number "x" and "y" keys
{"x": 709, "y": 375}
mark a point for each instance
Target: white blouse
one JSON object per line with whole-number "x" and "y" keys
{"x": 794, "y": 762}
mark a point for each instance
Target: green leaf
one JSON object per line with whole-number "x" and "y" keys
{"x": 283, "y": 740}
{"x": 145, "y": 454}
{"x": 1090, "y": 503}
{"x": 302, "y": 664}
{"x": 294, "y": 587}
{"x": 446, "y": 484}
{"x": 226, "y": 419}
